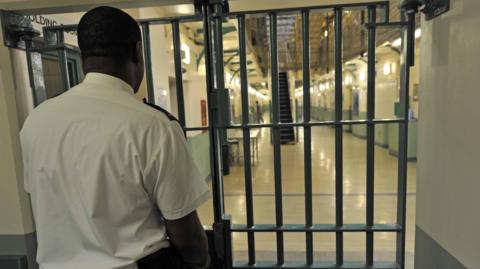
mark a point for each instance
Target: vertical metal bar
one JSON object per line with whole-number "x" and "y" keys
{"x": 307, "y": 133}
{"x": 276, "y": 137}
{"x": 246, "y": 138}
{"x": 219, "y": 82}
{"x": 177, "y": 56}
{"x": 406, "y": 62}
{"x": 219, "y": 76}
{"x": 338, "y": 133}
{"x": 216, "y": 174}
{"x": 62, "y": 55}
{"x": 370, "y": 135}
{"x": 148, "y": 62}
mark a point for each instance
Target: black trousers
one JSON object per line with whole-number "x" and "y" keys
{"x": 167, "y": 258}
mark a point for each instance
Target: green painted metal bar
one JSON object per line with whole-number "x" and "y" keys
{"x": 311, "y": 124}
{"x": 318, "y": 228}
{"x": 62, "y": 56}
{"x": 307, "y": 134}
{"x": 201, "y": 128}
{"x": 317, "y": 265}
{"x": 350, "y": 6}
{"x": 217, "y": 187}
{"x": 54, "y": 48}
{"x": 338, "y": 133}
{"x": 406, "y": 62}
{"x": 148, "y": 62}
{"x": 370, "y": 135}
{"x": 177, "y": 56}
{"x": 276, "y": 136}
{"x": 246, "y": 138}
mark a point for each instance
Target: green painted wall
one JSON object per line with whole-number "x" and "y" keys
{"x": 386, "y": 135}
{"x": 412, "y": 139}
{"x": 381, "y": 135}
{"x": 360, "y": 130}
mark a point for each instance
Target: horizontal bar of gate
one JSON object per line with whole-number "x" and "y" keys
{"x": 317, "y": 228}
{"x": 54, "y": 48}
{"x": 285, "y": 11}
{"x": 316, "y": 265}
{"x": 152, "y": 21}
{"x": 311, "y": 124}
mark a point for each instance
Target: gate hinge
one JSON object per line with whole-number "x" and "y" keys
{"x": 16, "y": 28}
{"x": 225, "y": 7}
{"x": 431, "y": 8}
{"x": 223, "y": 240}
{"x": 212, "y": 97}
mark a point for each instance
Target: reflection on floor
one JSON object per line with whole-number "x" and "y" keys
{"x": 323, "y": 165}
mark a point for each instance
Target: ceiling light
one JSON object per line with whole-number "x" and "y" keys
{"x": 387, "y": 70}
{"x": 228, "y": 77}
{"x": 397, "y": 42}
{"x": 363, "y": 76}
{"x": 418, "y": 33}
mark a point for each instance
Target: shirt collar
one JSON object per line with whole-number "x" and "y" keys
{"x": 108, "y": 82}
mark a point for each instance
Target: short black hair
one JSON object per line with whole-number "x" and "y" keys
{"x": 108, "y": 32}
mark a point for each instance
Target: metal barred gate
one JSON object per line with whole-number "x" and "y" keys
{"x": 213, "y": 14}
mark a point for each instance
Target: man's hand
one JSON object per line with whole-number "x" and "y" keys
{"x": 189, "y": 238}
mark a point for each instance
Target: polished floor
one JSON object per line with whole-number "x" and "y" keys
{"x": 323, "y": 165}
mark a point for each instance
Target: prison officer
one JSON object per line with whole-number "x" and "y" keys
{"x": 112, "y": 183}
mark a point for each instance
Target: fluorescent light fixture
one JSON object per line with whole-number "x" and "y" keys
{"x": 362, "y": 76}
{"x": 228, "y": 77}
{"x": 387, "y": 69}
{"x": 348, "y": 80}
{"x": 418, "y": 33}
{"x": 397, "y": 42}
{"x": 325, "y": 33}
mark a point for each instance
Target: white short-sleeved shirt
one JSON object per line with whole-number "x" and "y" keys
{"x": 104, "y": 170}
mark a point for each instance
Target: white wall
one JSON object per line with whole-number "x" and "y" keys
{"x": 448, "y": 163}
{"x": 14, "y": 204}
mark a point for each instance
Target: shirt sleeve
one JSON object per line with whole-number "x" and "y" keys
{"x": 178, "y": 187}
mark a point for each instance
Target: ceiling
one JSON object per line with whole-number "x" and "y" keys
{"x": 289, "y": 35}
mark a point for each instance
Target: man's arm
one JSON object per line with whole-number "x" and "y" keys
{"x": 188, "y": 237}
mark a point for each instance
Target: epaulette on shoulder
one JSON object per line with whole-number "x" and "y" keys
{"x": 170, "y": 116}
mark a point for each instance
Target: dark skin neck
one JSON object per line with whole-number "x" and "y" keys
{"x": 108, "y": 66}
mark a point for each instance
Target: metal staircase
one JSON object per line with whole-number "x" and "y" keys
{"x": 286, "y": 133}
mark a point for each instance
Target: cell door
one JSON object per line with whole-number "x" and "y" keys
{"x": 215, "y": 21}
{"x": 375, "y": 22}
